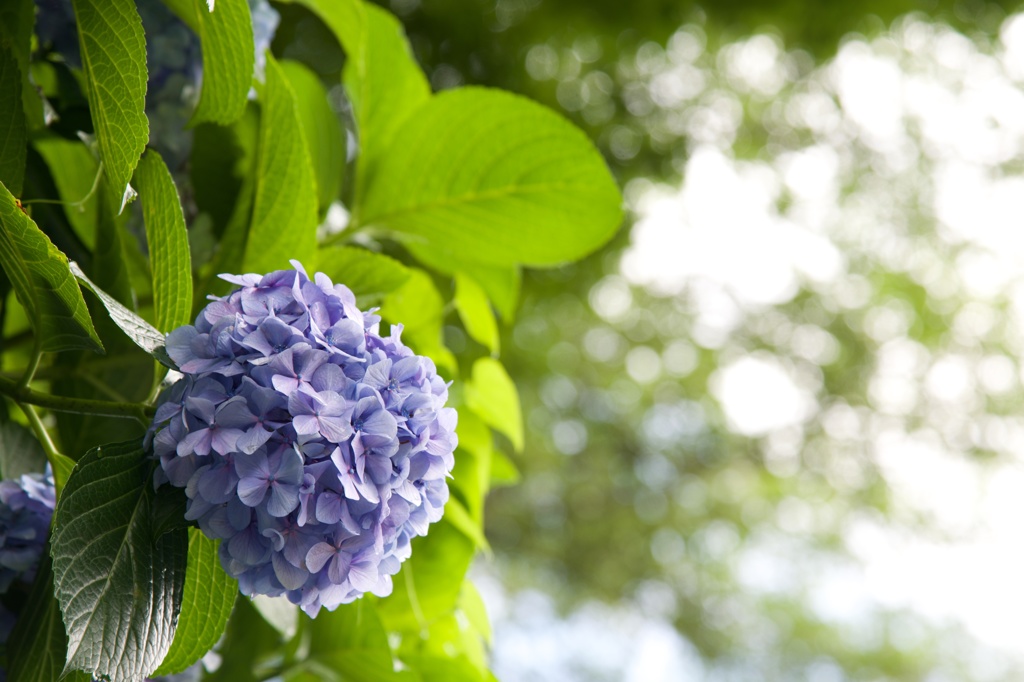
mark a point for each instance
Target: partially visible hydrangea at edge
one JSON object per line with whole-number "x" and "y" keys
{"x": 173, "y": 60}
{"x": 26, "y": 507}
{"x": 312, "y": 446}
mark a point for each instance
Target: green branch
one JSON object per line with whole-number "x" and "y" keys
{"x": 59, "y": 403}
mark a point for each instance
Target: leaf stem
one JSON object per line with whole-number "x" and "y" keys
{"x": 23, "y": 394}
{"x": 33, "y": 365}
{"x": 80, "y": 204}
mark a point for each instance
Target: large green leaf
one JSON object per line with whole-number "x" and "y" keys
{"x": 119, "y": 564}
{"x": 369, "y": 275}
{"x": 208, "y": 599}
{"x": 43, "y": 283}
{"x": 321, "y": 128}
{"x": 489, "y": 176}
{"x": 13, "y": 138}
{"x": 284, "y": 216}
{"x": 384, "y": 83}
{"x": 114, "y": 62}
{"x": 491, "y": 394}
{"x": 38, "y": 644}
{"x": 228, "y": 56}
{"x": 168, "y": 243}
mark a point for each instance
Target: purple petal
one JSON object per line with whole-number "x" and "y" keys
{"x": 283, "y": 500}
{"x": 252, "y": 490}
{"x": 318, "y": 555}
{"x": 291, "y": 577}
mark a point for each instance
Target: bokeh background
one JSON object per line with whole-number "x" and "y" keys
{"x": 775, "y": 429}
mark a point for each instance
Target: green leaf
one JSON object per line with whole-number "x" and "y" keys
{"x": 383, "y": 81}
{"x": 489, "y": 176}
{"x": 74, "y": 169}
{"x": 279, "y": 613}
{"x": 503, "y": 470}
{"x": 456, "y": 514}
{"x": 443, "y": 669}
{"x": 350, "y": 627}
{"x": 475, "y": 312}
{"x": 501, "y": 282}
{"x": 385, "y": 85}
{"x": 472, "y": 473}
{"x": 491, "y": 393}
{"x": 418, "y": 306}
{"x": 13, "y": 136}
{"x": 427, "y": 588}
{"x": 228, "y": 56}
{"x": 142, "y": 333}
{"x": 38, "y": 644}
{"x": 247, "y": 644}
{"x": 114, "y": 63}
{"x": 17, "y": 18}
{"x": 118, "y": 579}
{"x": 324, "y": 135}
{"x": 209, "y": 597}
{"x": 369, "y": 275}
{"x": 472, "y": 604}
{"x": 168, "y": 243}
{"x": 62, "y": 468}
{"x": 284, "y": 217}
{"x": 351, "y": 641}
{"x": 20, "y": 452}
{"x": 43, "y": 283}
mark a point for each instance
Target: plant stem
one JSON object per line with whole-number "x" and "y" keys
{"x": 60, "y": 403}
{"x": 40, "y": 430}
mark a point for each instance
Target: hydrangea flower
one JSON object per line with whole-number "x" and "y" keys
{"x": 26, "y": 507}
{"x": 314, "y": 448}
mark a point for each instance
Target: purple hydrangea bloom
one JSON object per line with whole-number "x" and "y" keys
{"x": 314, "y": 448}
{"x": 26, "y": 507}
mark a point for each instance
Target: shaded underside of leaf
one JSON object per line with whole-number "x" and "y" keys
{"x": 142, "y": 333}
{"x": 118, "y": 578}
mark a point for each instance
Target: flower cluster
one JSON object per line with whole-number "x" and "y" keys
{"x": 26, "y": 507}
{"x": 313, "y": 447}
